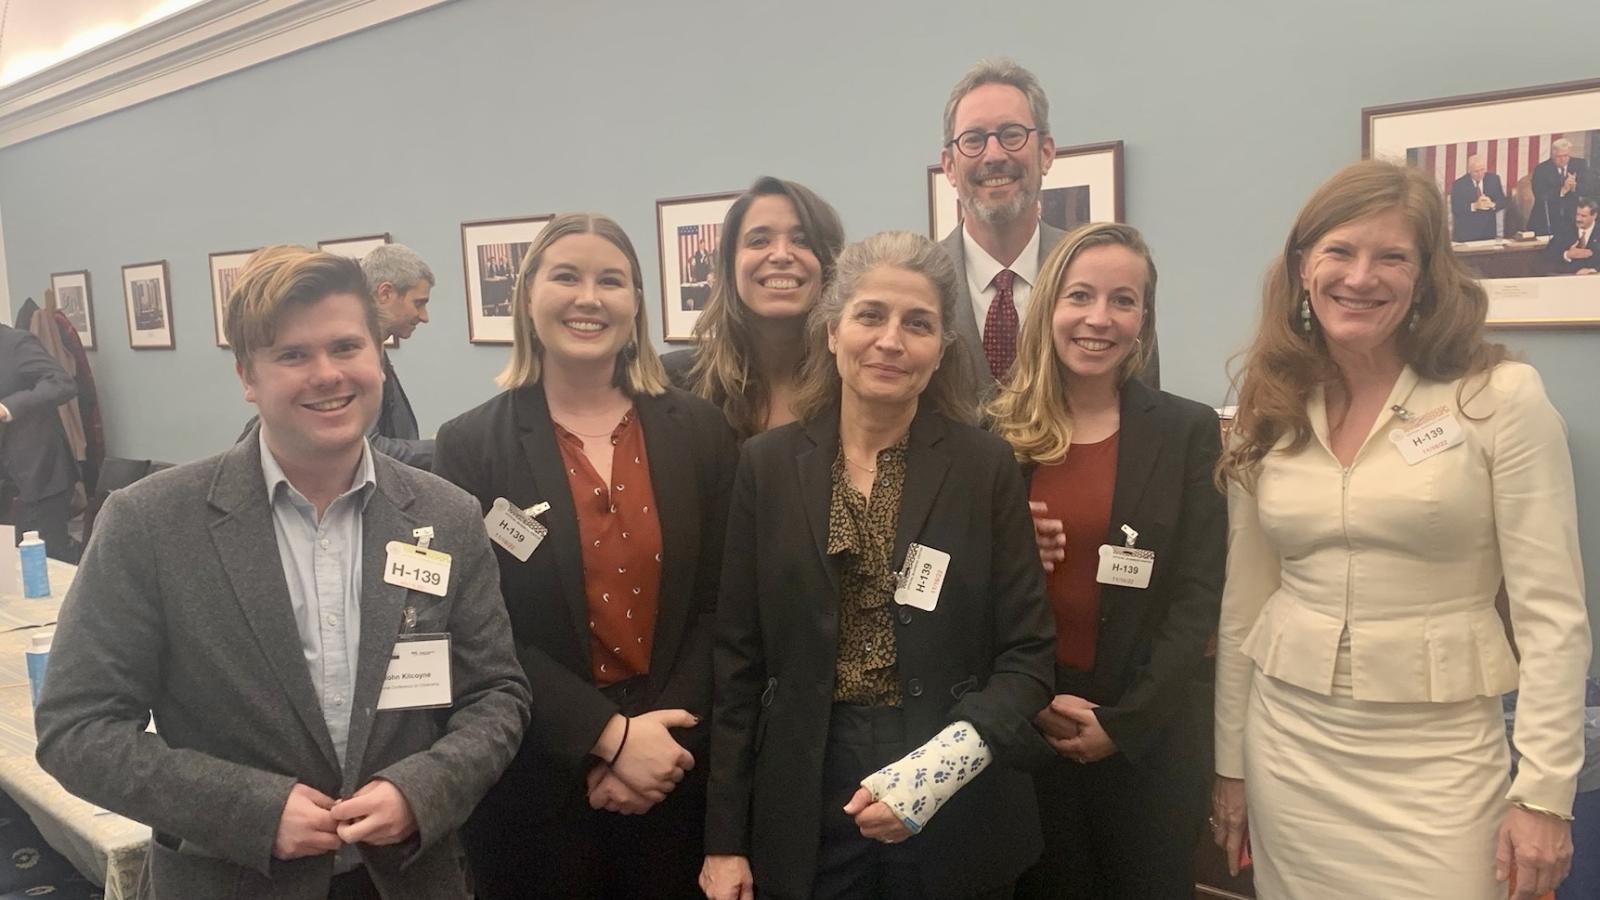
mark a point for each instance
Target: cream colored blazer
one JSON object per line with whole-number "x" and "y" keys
{"x": 1409, "y": 559}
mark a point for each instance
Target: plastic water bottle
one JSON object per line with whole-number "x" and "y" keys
{"x": 38, "y": 658}
{"x": 35, "y": 570}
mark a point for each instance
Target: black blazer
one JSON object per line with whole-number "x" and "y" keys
{"x": 983, "y": 654}
{"x": 507, "y": 448}
{"x": 34, "y": 453}
{"x": 1150, "y": 651}
{"x": 1550, "y": 209}
{"x": 1564, "y": 239}
{"x": 678, "y": 363}
{"x": 1468, "y": 224}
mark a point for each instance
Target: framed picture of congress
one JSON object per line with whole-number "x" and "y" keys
{"x": 1520, "y": 170}
{"x": 355, "y": 248}
{"x": 74, "y": 299}
{"x": 225, "y": 269}
{"x": 687, "y": 231}
{"x": 147, "y": 295}
{"x": 491, "y": 251}
{"x": 1084, "y": 184}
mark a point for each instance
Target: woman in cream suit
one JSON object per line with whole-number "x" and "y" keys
{"x": 1388, "y": 469}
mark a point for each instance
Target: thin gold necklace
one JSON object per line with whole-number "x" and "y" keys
{"x": 870, "y": 470}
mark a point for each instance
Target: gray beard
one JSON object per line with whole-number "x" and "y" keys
{"x": 1002, "y": 213}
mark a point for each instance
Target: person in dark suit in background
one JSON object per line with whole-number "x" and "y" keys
{"x": 34, "y": 454}
{"x": 1476, "y": 200}
{"x": 402, "y": 284}
{"x": 247, "y": 603}
{"x": 997, "y": 149}
{"x": 866, "y": 724}
{"x": 1555, "y": 187}
{"x": 1575, "y": 247}
{"x": 1124, "y": 783}
{"x": 613, "y": 591}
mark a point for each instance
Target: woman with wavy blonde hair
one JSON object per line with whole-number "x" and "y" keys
{"x": 774, "y": 257}
{"x": 1118, "y": 474}
{"x": 1388, "y": 469}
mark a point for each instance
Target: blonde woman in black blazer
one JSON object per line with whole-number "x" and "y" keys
{"x": 789, "y": 813}
{"x": 1125, "y": 773}
{"x": 572, "y": 817}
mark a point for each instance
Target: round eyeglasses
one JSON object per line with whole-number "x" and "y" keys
{"x": 1012, "y": 137}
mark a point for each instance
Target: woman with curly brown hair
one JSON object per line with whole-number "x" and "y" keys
{"x": 1388, "y": 469}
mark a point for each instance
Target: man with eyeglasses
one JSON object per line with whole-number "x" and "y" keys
{"x": 997, "y": 149}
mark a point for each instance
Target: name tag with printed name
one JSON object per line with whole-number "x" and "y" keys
{"x": 922, "y": 577}
{"x": 516, "y": 532}
{"x": 418, "y": 676}
{"x": 1125, "y": 566}
{"x": 417, "y": 569}
{"x": 1428, "y": 435}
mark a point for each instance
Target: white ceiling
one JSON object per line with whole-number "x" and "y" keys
{"x": 37, "y": 34}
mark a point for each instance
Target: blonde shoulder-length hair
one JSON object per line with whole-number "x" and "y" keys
{"x": 1442, "y": 339}
{"x": 1030, "y": 409}
{"x": 639, "y": 369}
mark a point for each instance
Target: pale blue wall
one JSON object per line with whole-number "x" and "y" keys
{"x": 1232, "y": 113}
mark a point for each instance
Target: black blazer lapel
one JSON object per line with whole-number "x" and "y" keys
{"x": 247, "y": 545}
{"x": 537, "y": 435}
{"x": 666, "y": 438}
{"x": 382, "y": 603}
{"x": 814, "y": 466}
{"x": 925, "y": 470}
{"x": 1138, "y": 447}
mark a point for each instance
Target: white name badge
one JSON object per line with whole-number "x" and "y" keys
{"x": 922, "y": 577}
{"x": 1427, "y": 435}
{"x": 419, "y": 673}
{"x": 417, "y": 569}
{"x": 1125, "y": 566}
{"x": 518, "y": 533}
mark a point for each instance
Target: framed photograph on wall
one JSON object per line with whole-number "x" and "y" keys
{"x": 1084, "y": 184}
{"x": 225, "y": 269}
{"x": 74, "y": 299}
{"x": 1520, "y": 170}
{"x": 687, "y": 231}
{"x": 355, "y": 248}
{"x": 491, "y": 251}
{"x": 147, "y": 295}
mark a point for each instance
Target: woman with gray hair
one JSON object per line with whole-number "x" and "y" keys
{"x": 883, "y": 640}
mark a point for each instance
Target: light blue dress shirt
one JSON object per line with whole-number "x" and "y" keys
{"x": 322, "y": 565}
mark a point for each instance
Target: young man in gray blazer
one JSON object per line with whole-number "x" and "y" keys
{"x": 997, "y": 150}
{"x": 330, "y": 701}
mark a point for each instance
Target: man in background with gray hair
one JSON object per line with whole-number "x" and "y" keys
{"x": 997, "y": 149}
{"x": 1556, "y": 183}
{"x": 401, "y": 283}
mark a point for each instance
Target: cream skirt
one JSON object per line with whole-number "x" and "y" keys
{"x": 1354, "y": 799}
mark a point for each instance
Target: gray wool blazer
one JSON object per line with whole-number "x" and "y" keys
{"x": 180, "y": 610}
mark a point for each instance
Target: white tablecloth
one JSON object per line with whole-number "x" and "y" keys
{"x": 105, "y": 847}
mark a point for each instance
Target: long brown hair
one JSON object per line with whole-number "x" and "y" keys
{"x": 723, "y": 372}
{"x": 1030, "y": 409}
{"x": 1285, "y": 362}
{"x": 639, "y": 369}
{"x": 950, "y": 390}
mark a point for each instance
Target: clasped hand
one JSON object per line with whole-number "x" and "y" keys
{"x": 648, "y": 767}
{"x": 1071, "y": 727}
{"x": 313, "y": 823}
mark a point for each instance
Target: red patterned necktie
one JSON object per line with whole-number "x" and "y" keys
{"x": 1000, "y": 326}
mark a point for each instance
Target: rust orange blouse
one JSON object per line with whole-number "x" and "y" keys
{"x": 1078, "y": 491}
{"x": 621, "y": 536}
